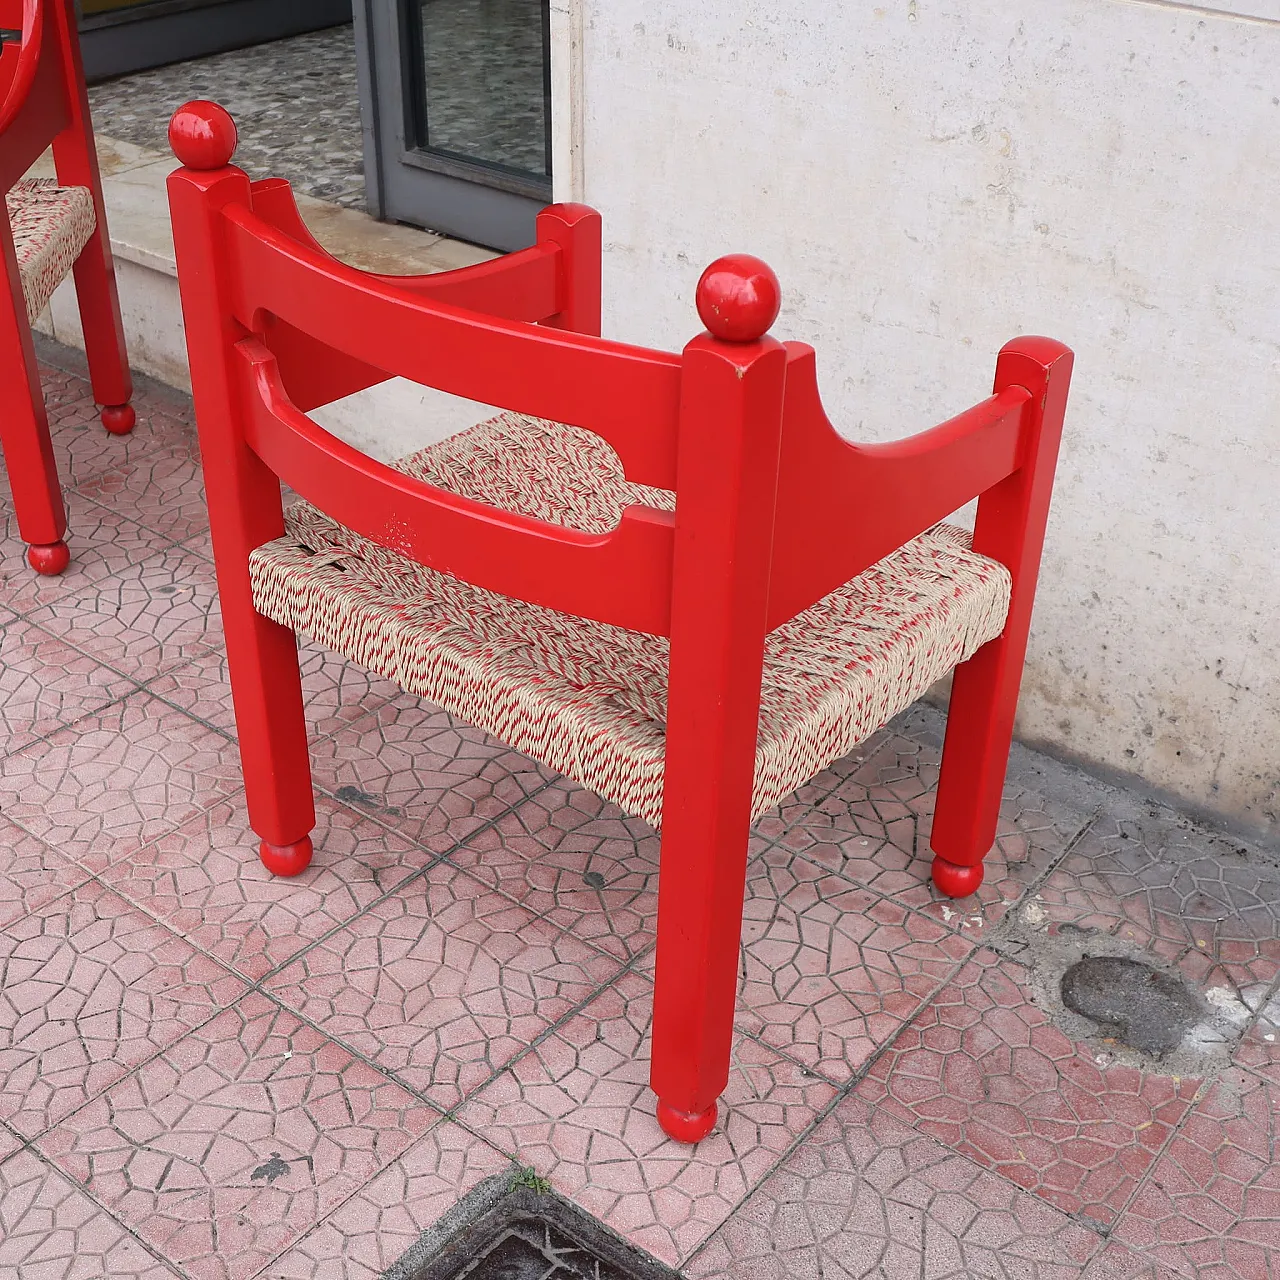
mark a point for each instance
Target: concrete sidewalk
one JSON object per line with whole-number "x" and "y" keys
{"x": 208, "y": 1073}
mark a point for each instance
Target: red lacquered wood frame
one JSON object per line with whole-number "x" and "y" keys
{"x": 774, "y": 509}
{"x": 42, "y": 102}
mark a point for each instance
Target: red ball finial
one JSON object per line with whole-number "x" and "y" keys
{"x": 202, "y": 135}
{"x": 738, "y": 298}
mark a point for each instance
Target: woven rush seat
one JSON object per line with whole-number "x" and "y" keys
{"x": 51, "y": 225}
{"x": 588, "y": 699}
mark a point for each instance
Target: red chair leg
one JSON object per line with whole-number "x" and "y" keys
{"x": 244, "y": 512}
{"x": 262, "y": 660}
{"x": 975, "y": 757}
{"x": 700, "y": 886}
{"x": 24, "y": 432}
{"x": 266, "y": 688}
{"x": 76, "y": 160}
{"x": 984, "y": 695}
{"x": 104, "y": 335}
{"x": 731, "y": 424}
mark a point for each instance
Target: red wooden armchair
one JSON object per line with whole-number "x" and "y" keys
{"x": 50, "y": 228}
{"x": 690, "y": 601}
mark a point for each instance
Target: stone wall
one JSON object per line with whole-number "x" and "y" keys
{"x": 932, "y": 177}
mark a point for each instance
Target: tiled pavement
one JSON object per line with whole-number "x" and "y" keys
{"x": 208, "y": 1073}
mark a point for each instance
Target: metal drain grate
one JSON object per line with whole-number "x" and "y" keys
{"x": 515, "y": 1228}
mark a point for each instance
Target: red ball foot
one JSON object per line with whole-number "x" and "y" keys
{"x": 50, "y": 559}
{"x": 119, "y": 419}
{"x": 286, "y": 859}
{"x": 686, "y": 1126}
{"x": 955, "y": 881}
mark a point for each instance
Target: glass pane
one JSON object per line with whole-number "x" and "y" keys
{"x": 486, "y": 81}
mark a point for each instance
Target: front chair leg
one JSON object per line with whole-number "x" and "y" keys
{"x": 700, "y": 893}
{"x": 706, "y": 825}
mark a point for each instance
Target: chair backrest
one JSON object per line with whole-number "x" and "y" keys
{"x": 43, "y": 99}
{"x": 773, "y": 510}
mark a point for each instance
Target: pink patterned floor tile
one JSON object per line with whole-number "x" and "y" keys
{"x": 874, "y": 826}
{"x": 1211, "y": 1205}
{"x": 45, "y": 684}
{"x": 101, "y": 543}
{"x": 207, "y": 883}
{"x": 144, "y": 620}
{"x": 199, "y": 544}
{"x": 117, "y": 779}
{"x": 32, "y": 874}
{"x": 63, "y": 391}
{"x": 85, "y": 449}
{"x": 9, "y": 1142}
{"x": 201, "y": 689}
{"x": 443, "y": 983}
{"x": 579, "y": 1110}
{"x": 578, "y": 862}
{"x": 90, "y": 987}
{"x": 830, "y": 972}
{"x": 336, "y": 693}
{"x": 431, "y": 777}
{"x": 384, "y": 1219}
{"x": 866, "y": 1196}
{"x": 163, "y": 490}
{"x": 1177, "y": 890}
{"x": 51, "y": 1230}
{"x": 983, "y": 1070}
{"x": 230, "y": 1146}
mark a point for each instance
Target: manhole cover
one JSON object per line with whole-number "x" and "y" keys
{"x": 509, "y": 1230}
{"x": 1150, "y": 1010}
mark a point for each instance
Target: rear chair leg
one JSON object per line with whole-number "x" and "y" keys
{"x": 984, "y": 696}
{"x": 96, "y": 294}
{"x": 266, "y": 687}
{"x": 975, "y": 758}
{"x": 24, "y": 429}
{"x": 104, "y": 337}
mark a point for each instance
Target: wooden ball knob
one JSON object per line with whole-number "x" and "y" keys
{"x": 203, "y": 135}
{"x": 738, "y": 298}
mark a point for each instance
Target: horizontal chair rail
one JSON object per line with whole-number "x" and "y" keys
{"x": 622, "y": 577}
{"x": 627, "y": 395}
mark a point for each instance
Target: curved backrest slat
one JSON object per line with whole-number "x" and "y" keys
{"x": 622, "y": 577}
{"x": 844, "y": 506}
{"x": 35, "y": 108}
{"x": 629, "y": 396}
{"x": 515, "y": 286}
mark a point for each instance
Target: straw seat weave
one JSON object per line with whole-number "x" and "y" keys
{"x": 589, "y": 699}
